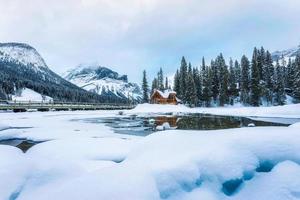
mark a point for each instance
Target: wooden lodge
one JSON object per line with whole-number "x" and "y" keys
{"x": 166, "y": 97}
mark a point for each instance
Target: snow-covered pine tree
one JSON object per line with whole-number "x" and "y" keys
{"x": 167, "y": 84}
{"x": 268, "y": 82}
{"x": 198, "y": 83}
{"x": 145, "y": 88}
{"x": 255, "y": 89}
{"x": 238, "y": 75}
{"x": 177, "y": 84}
{"x": 154, "y": 85}
{"x": 183, "y": 80}
{"x": 224, "y": 76}
{"x": 160, "y": 79}
{"x": 191, "y": 93}
{"x": 279, "y": 94}
{"x": 296, "y": 88}
{"x": 203, "y": 66}
{"x": 283, "y": 70}
{"x": 290, "y": 75}
{"x": 245, "y": 80}
{"x": 215, "y": 82}
{"x": 233, "y": 91}
{"x": 207, "y": 87}
{"x": 261, "y": 60}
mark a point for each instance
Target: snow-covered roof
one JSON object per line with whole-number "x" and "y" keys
{"x": 166, "y": 93}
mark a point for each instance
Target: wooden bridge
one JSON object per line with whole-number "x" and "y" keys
{"x": 23, "y": 106}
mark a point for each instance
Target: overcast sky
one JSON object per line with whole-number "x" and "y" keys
{"x": 131, "y": 35}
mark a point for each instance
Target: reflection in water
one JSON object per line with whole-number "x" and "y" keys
{"x": 136, "y": 125}
{"x": 210, "y": 122}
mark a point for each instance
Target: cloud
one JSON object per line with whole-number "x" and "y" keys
{"x": 130, "y": 35}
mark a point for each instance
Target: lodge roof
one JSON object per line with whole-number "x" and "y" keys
{"x": 165, "y": 94}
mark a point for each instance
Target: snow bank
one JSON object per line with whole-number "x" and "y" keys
{"x": 288, "y": 111}
{"x": 57, "y": 125}
{"x": 296, "y": 125}
{"x": 281, "y": 183}
{"x": 13, "y": 171}
{"x": 30, "y": 95}
{"x": 246, "y": 163}
{"x": 158, "y": 108}
{"x": 3, "y": 127}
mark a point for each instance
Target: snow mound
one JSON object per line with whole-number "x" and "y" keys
{"x": 296, "y": 125}
{"x": 246, "y": 163}
{"x": 3, "y": 127}
{"x": 14, "y": 169}
{"x": 159, "y": 108}
{"x": 30, "y": 95}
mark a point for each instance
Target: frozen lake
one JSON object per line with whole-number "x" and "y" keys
{"x": 145, "y": 125}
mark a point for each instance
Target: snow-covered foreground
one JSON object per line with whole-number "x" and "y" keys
{"x": 88, "y": 161}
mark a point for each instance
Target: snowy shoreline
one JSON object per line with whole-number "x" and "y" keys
{"x": 286, "y": 111}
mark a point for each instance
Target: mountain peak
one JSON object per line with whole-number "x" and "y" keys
{"x": 94, "y": 72}
{"x": 103, "y": 81}
{"x": 21, "y": 53}
{"x": 288, "y": 53}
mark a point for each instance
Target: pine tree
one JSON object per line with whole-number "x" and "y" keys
{"x": 290, "y": 76}
{"x": 296, "y": 87}
{"x": 279, "y": 94}
{"x": 223, "y": 74}
{"x": 238, "y": 75}
{"x": 233, "y": 91}
{"x": 268, "y": 82}
{"x": 160, "y": 79}
{"x": 207, "y": 86}
{"x": 203, "y": 65}
{"x": 167, "y": 84}
{"x": 145, "y": 88}
{"x": 283, "y": 70}
{"x": 255, "y": 80}
{"x": 198, "y": 83}
{"x": 261, "y": 60}
{"x": 183, "y": 80}
{"x": 245, "y": 80}
{"x": 215, "y": 80}
{"x": 177, "y": 84}
{"x": 154, "y": 85}
{"x": 191, "y": 93}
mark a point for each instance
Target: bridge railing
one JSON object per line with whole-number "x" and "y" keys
{"x": 24, "y": 105}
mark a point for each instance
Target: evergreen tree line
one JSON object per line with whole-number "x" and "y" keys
{"x": 253, "y": 83}
{"x": 160, "y": 82}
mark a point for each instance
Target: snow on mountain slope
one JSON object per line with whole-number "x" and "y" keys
{"x": 103, "y": 81}
{"x": 29, "y": 95}
{"x": 21, "y": 66}
{"x": 288, "y": 53}
{"x": 22, "y": 54}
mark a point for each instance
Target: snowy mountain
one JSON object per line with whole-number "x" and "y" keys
{"x": 21, "y": 66}
{"x": 288, "y": 53}
{"x": 22, "y": 54}
{"x": 104, "y": 82}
